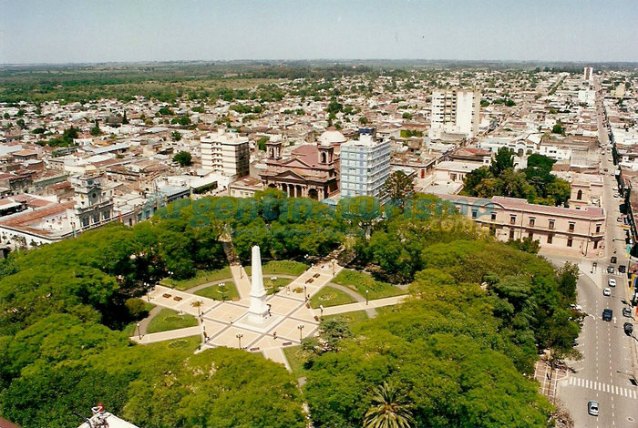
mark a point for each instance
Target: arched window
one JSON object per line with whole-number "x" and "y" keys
{"x": 579, "y": 195}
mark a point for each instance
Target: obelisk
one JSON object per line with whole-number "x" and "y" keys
{"x": 258, "y": 311}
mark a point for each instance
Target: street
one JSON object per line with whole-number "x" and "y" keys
{"x": 606, "y": 371}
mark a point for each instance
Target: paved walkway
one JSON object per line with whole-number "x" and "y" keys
{"x": 291, "y": 320}
{"x": 145, "y": 339}
{"x": 143, "y": 324}
{"x": 361, "y": 306}
{"x": 242, "y": 281}
{"x": 371, "y": 312}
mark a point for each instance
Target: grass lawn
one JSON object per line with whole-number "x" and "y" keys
{"x": 129, "y": 329}
{"x": 350, "y": 317}
{"x": 329, "y": 296}
{"x": 296, "y": 358}
{"x": 281, "y": 267}
{"x": 360, "y": 282}
{"x": 201, "y": 277}
{"x": 274, "y": 285}
{"x": 228, "y": 292}
{"x": 168, "y": 319}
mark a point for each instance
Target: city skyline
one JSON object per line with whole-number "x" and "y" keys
{"x": 36, "y": 31}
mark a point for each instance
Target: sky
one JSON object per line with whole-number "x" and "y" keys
{"x": 82, "y": 31}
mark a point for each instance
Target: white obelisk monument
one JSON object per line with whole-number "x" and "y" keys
{"x": 258, "y": 311}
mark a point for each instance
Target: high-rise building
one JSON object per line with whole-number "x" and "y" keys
{"x": 588, "y": 74}
{"x": 226, "y": 153}
{"x": 455, "y": 113}
{"x": 365, "y": 165}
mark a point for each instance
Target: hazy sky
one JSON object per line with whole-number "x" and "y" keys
{"x": 59, "y": 31}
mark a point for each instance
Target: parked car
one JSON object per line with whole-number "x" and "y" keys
{"x": 611, "y": 282}
{"x": 592, "y": 408}
{"x": 607, "y": 292}
{"x": 610, "y": 270}
{"x": 629, "y": 328}
{"x": 608, "y": 314}
{"x": 614, "y": 259}
{"x": 626, "y": 312}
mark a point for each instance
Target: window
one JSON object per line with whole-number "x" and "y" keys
{"x": 511, "y": 233}
{"x": 598, "y": 226}
{"x": 569, "y": 242}
{"x": 512, "y": 219}
{"x": 551, "y": 224}
{"x": 474, "y": 213}
{"x": 530, "y": 235}
{"x": 572, "y": 225}
{"x": 532, "y": 220}
{"x": 550, "y": 238}
{"x": 579, "y": 195}
{"x": 595, "y": 244}
{"x": 493, "y": 216}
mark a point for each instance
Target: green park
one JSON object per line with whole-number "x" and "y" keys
{"x": 457, "y": 352}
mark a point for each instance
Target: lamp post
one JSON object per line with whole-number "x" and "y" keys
{"x": 305, "y": 293}
{"x": 321, "y": 310}
{"x": 239, "y": 336}
{"x": 139, "y": 332}
{"x": 300, "y": 327}
{"x": 367, "y": 297}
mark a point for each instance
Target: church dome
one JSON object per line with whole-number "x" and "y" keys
{"x": 330, "y": 137}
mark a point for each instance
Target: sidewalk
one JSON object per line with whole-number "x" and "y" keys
{"x": 361, "y": 306}
{"x": 167, "y": 335}
{"x": 242, "y": 281}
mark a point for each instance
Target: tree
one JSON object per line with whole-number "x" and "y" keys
{"x": 261, "y": 143}
{"x": 407, "y": 116}
{"x": 125, "y": 120}
{"x": 183, "y": 158}
{"x": 558, "y": 128}
{"x": 363, "y": 120}
{"x": 95, "y": 130}
{"x": 503, "y": 160}
{"x": 398, "y": 188}
{"x": 21, "y": 124}
{"x": 388, "y": 410}
{"x": 176, "y": 136}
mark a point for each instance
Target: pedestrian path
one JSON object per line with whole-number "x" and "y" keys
{"x": 603, "y": 387}
{"x": 242, "y": 281}
{"x": 161, "y": 336}
{"x": 362, "y": 306}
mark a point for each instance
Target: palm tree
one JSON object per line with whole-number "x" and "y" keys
{"x": 387, "y": 409}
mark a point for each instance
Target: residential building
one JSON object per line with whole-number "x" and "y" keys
{"x": 226, "y": 152}
{"x": 588, "y": 74}
{"x": 455, "y": 114}
{"x": 365, "y": 165}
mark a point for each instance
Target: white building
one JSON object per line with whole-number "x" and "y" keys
{"x": 588, "y": 74}
{"x": 365, "y": 165}
{"x": 226, "y": 153}
{"x": 455, "y": 114}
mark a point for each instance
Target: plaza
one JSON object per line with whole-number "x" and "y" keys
{"x": 224, "y": 323}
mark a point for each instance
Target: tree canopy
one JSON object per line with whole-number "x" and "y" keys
{"x": 535, "y": 183}
{"x": 478, "y": 313}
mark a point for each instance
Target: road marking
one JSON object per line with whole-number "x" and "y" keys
{"x": 603, "y": 387}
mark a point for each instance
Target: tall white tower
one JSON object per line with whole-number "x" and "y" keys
{"x": 258, "y": 311}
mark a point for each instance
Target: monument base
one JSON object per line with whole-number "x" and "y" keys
{"x": 262, "y": 325}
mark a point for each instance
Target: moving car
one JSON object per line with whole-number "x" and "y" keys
{"x": 607, "y": 314}
{"x": 629, "y": 328}
{"x": 626, "y": 312}
{"x": 592, "y": 408}
{"x": 611, "y": 282}
{"x": 607, "y": 292}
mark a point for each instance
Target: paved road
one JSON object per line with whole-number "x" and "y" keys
{"x": 606, "y": 371}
